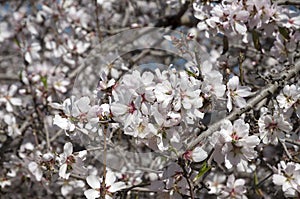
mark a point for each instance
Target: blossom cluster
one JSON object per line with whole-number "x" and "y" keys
{"x": 89, "y": 110}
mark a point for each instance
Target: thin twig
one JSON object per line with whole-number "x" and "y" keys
{"x": 264, "y": 180}
{"x": 97, "y": 22}
{"x": 290, "y": 141}
{"x": 56, "y": 135}
{"x": 47, "y": 134}
{"x": 7, "y": 77}
{"x": 103, "y": 184}
{"x": 285, "y": 149}
{"x": 287, "y": 2}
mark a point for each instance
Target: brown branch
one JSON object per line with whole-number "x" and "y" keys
{"x": 97, "y": 22}
{"x": 7, "y": 77}
{"x": 287, "y": 2}
{"x": 173, "y": 20}
{"x": 290, "y": 141}
{"x": 265, "y": 92}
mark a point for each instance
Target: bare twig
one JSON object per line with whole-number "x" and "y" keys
{"x": 173, "y": 20}
{"x": 47, "y": 134}
{"x": 103, "y": 185}
{"x": 7, "y": 77}
{"x": 290, "y": 141}
{"x": 97, "y": 22}
{"x": 287, "y": 2}
{"x": 56, "y": 135}
{"x": 285, "y": 149}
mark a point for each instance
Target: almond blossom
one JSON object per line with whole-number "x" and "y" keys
{"x": 288, "y": 176}
{"x": 196, "y": 155}
{"x": 289, "y": 97}
{"x": 70, "y": 162}
{"x": 111, "y": 186}
{"x": 13, "y": 127}
{"x": 233, "y": 144}
{"x": 235, "y": 188}
{"x": 7, "y": 97}
{"x": 236, "y": 93}
{"x": 273, "y": 127}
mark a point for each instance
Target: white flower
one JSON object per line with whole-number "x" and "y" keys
{"x": 104, "y": 83}
{"x": 110, "y": 186}
{"x": 36, "y": 170}
{"x": 13, "y": 129}
{"x": 196, "y": 155}
{"x": 234, "y": 189}
{"x": 70, "y": 162}
{"x": 233, "y": 144}
{"x": 32, "y": 52}
{"x": 61, "y": 85}
{"x": 66, "y": 158}
{"x": 288, "y": 177}
{"x": 236, "y": 93}
{"x": 127, "y": 109}
{"x": 141, "y": 129}
{"x": 272, "y": 127}
{"x": 8, "y": 98}
{"x": 288, "y": 97}
{"x": 5, "y": 32}
{"x": 291, "y": 19}
{"x": 216, "y": 183}
{"x": 63, "y": 123}
{"x": 4, "y": 182}
{"x": 213, "y": 81}
{"x": 77, "y": 112}
{"x": 78, "y": 108}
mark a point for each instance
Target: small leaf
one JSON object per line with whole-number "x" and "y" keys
{"x": 190, "y": 73}
{"x": 255, "y": 38}
{"x": 205, "y": 168}
{"x": 44, "y": 81}
{"x": 225, "y": 45}
{"x": 255, "y": 179}
{"x": 17, "y": 42}
{"x": 284, "y": 32}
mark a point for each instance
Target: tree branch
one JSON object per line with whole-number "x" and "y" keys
{"x": 265, "y": 92}
{"x": 173, "y": 20}
{"x": 287, "y": 2}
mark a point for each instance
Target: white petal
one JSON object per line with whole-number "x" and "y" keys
{"x": 233, "y": 83}
{"x": 117, "y": 186}
{"x": 91, "y": 194}
{"x": 199, "y": 154}
{"x": 16, "y": 101}
{"x": 278, "y": 179}
{"x": 63, "y": 171}
{"x": 240, "y": 28}
{"x": 93, "y": 181}
{"x": 61, "y": 122}
{"x": 118, "y": 109}
{"x": 110, "y": 178}
{"x": 68, "y": 148}
{"x": 83, "y": 104}
{"x": 35, "y": 170}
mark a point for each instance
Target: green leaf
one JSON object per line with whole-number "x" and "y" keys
{"x": 190, "y": 73}
{"x": 225, "y": 45}
{"x": 44, "y": 81}
{"x": 255, "y": 179}
{"x": 284, "y": 32}
{"x": 205, "y": 168}
{"x": 255, "y": 38}
{"x": 17, "y": 42}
